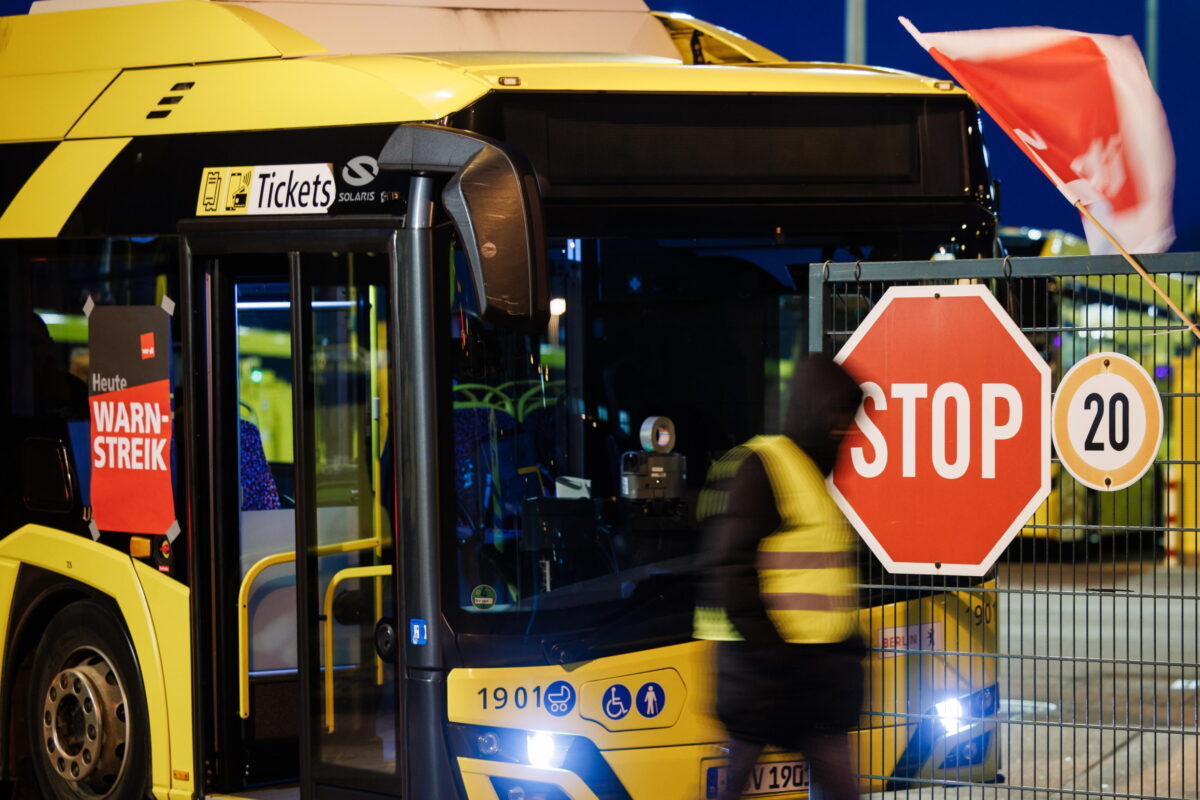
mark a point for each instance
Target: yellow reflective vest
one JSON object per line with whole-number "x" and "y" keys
{"x": 807, "y": 568}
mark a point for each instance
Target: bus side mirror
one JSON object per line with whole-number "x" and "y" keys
{"x": 493, "y": 200}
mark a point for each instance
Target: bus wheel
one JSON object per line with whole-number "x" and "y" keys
{"x": 88, "y": 730}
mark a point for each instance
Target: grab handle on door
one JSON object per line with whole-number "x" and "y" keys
{"x": 243, "y": 621}
{"x": 377, "y": 571}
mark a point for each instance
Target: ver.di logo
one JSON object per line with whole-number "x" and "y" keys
{"x": 360, "y": 170}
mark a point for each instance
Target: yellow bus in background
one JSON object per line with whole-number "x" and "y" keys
{"x": 1117, "y": 313}
{"x": 414, "y": 312}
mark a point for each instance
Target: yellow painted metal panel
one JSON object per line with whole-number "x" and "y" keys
{"x": 40, "y": 107}
{"x": 111, "y": 572}
{"x": 958, "y": 659}
{"x": 572, "y": 785}
{"x": 960, "y": 622}
{"x": 1183, "y": 478}
{"x": 691, "y": 661}
{"x": 665, "y": 77}
{"x": 140, "y": 35}
{"x": 670, "y": 773}
{"x": 479, "y": 787}
{"x": 720, "y": 45}
{"x": 295, "y": 93}
{"x": 170, "y": 611}
{"x": 288, "y": 41}
{"x": 592, "y": 697}
{"x": 8, "y": 583}
{"x": 43, "y": 205}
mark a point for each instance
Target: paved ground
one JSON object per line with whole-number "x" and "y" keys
{"x": 1099, "y": 675}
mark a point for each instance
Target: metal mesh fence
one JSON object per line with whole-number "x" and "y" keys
{"x": 1071, "y": 669}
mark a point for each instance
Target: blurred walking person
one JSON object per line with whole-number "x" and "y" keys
{"x": 778, "y": 596}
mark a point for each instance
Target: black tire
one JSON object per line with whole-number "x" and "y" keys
{"x": 88, "y": 730}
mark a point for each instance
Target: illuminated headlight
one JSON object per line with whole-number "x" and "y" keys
{"x": 950, "y": 714}
{"x": 541, "y": 749}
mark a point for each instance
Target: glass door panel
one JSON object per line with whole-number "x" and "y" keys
{"x": 347, "y": 499}
{"x": 304, "y": 497}
{"x": 266, "y": 513}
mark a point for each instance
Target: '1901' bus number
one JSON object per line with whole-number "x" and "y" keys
{"x": 499, "y": 697}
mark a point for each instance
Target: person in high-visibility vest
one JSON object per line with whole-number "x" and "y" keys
{"x": 780, "y": 567}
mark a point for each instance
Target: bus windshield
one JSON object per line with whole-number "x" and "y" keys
{"x": 569, "y": 537}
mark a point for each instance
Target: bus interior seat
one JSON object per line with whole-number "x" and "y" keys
{"x": 258, "y": 489}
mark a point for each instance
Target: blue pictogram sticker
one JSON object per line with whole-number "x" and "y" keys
{"x": 651, "y": 699}
{"x": 418, "y": 631}
{"x": 560, "y": 698}
{"x": 617, "y": 701}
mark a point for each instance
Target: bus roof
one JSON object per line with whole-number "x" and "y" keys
{"x": 189, "y": 66}
{"x": 406, "y": 26}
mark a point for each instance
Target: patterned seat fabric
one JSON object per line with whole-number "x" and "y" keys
{"x": 259, "y": 492}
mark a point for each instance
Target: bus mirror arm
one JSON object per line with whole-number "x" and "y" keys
{"x": 493, "y": 200}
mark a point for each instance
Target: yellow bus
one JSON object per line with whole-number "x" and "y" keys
{"x": 327, "y": 370}
{"x": 1121, "y": 313}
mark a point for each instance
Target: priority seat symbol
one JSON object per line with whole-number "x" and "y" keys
{"x": 650, "y": 700}
{"x": 617, "y": 701}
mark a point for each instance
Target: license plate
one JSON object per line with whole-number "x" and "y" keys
{"x": 768, "y": 777}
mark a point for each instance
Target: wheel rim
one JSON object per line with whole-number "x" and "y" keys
{"x": 85, "y": 724}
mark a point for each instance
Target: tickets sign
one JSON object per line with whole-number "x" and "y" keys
{"x": 271, "y": 189}
{"x": 129, "y": 399}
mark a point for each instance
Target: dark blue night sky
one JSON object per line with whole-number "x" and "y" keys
{"x": 814, "y": 31}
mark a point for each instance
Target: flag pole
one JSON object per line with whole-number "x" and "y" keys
{"x": 1140, "y": 270}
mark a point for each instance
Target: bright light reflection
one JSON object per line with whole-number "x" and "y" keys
{"x": 950, "y": 714}
{"x": 541, "y": 749}
{"x": 280, "y": 305}
{"x": 50, "y": 318}
{"x": 558, "y": 306}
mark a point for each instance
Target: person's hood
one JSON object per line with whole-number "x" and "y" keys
{"x": 824, "y": 398}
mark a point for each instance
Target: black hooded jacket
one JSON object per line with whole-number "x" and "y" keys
{"x": 769, "y": 690}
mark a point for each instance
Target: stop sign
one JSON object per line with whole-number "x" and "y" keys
{"x": 950, "y": 452}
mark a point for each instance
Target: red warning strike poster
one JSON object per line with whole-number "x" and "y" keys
{"x": 130, "y": 400}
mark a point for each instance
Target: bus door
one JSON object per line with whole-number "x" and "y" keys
{"x": 300, "y": 419}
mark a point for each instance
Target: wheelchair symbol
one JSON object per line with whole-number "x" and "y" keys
{"x": 617, "y": 701}
{"x": 560, "y": 698}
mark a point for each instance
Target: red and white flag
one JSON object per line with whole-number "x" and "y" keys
{"x": 1080, "y": 105}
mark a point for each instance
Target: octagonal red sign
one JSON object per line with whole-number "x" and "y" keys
{"x": 950, "y": 453}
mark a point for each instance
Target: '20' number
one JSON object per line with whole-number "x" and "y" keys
{"x": 1118, "y": 421}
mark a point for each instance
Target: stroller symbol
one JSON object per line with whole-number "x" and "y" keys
{"x": 560, "y": 698}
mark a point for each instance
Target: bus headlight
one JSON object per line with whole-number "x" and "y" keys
{"x": 950, "y": 714}
{"x": 541, "y": 749}
{"x": 487, "y": 743}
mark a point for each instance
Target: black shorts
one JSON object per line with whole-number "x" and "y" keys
{"x": 793, "y": 692}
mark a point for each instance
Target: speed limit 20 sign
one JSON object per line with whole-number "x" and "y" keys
{"x": 1108, "y": 421}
